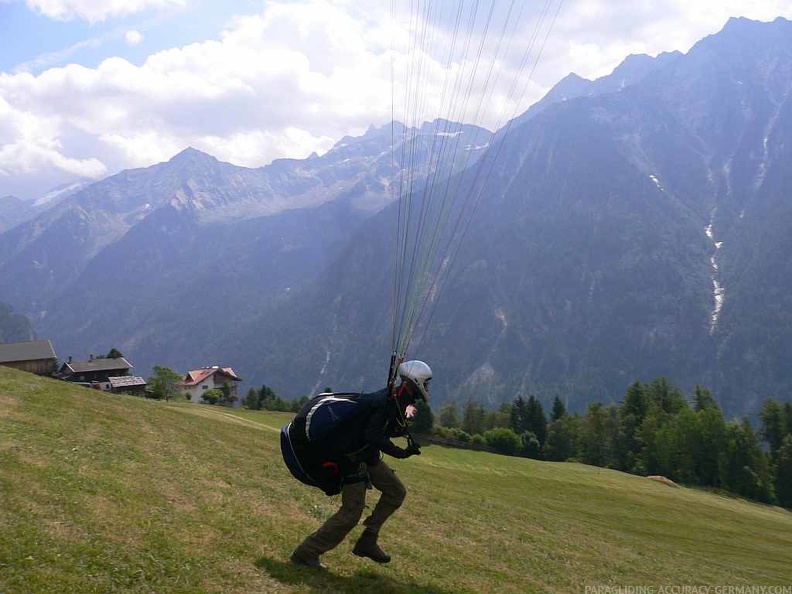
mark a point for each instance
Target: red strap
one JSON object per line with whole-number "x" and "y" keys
{"x": 333, "y": 466}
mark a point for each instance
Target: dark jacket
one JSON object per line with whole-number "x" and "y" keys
{"x": 372, "y": 433}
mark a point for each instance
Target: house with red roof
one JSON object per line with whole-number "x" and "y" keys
{"x": 198, "y": 381}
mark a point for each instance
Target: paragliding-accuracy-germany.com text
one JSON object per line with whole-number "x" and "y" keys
{"x": 677, "y": 589}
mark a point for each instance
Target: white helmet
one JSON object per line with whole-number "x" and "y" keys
{"x": 417, "y": 373}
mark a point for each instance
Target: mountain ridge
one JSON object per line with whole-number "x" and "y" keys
{"x": 240, "y": 239}
{"x": 628, "y": 227}
{"x": 657, "y": 215}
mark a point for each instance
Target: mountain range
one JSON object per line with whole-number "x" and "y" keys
{"x": 628, "y": 227}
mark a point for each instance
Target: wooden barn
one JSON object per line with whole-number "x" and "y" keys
{"x": 36, "y": 356}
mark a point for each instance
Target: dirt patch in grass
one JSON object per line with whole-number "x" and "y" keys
{"x": 7, "y": 406}
{"x": 176, "y": 499}
{"x": 262, "y": 506}
{"x": 49, "y": 517}
{"x": 114, "y": 521}
{"x": 62, "y": 530}
{"x": 31, "y": 458}
{"x": 200, "y": 537}
{"x": 662, "y": 479}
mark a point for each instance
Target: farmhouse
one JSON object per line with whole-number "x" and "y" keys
{"x": 96, "y": 371}
{"x": 198, "y": 381}
{"x": 35, "y": 356}
{"x": 127, "y": 384}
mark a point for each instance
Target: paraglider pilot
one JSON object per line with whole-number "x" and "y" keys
{"x": 364, "y": 443}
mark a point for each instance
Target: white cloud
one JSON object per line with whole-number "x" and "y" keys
{"x": 300, "y": 75}
{"x": 95, "y": 11}
{"x": 133, "y": 37}
{"x": 243, "y": 148}
{"x": 249, "y": 97}
{"x": 35, "y": 145}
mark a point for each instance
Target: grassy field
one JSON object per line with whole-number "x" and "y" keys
{"x": 103, "y": 493}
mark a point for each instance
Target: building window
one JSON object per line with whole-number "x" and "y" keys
{"x": 204, "y": 387}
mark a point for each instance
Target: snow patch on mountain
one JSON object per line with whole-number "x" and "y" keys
{"x": 60, "y": 191}
{"x": 656, "y": 181}
{"x": 718, "y": 291}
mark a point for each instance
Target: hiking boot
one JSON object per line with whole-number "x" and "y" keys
{"x": 302, "y": 561}
{"x": 367, "y": 546}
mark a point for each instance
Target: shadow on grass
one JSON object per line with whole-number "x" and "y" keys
{"x": 362, "y": 582}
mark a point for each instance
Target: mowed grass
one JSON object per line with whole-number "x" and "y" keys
{"x": 102, "y": 493}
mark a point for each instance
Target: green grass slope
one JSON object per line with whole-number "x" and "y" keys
{"x": 103, "y": 493}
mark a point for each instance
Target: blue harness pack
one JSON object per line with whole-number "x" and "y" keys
{"x": 307, "y": 442}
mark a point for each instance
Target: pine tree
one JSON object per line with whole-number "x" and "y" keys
{"x": 268, "y": 398}
{"x": 636, "y": 402}
{"x": 743, "y": 467}
{"x": 788, "y": 417}
{"x": 449, "y": 417}
{"x": 711, "y": 439}
{"x": 783, "y": 473}
{"x": 664, "y": 396}
{"x": 473, "y": 418}
{"x": 774, "y": 425}
{"x": 597, "y": 434}
{"x": 498, "y": 418}
{"x": 675, "y": 444}
{"x": 518, "y": 416}
{"x": 646, "y": 435}
{"x": 562, "y": 438}
{"x": 535, "y": 420}
{"x": 703, "y": 399}
{"x": 631, "y": 415}
{"x": 559, "y": 409}
{"x": 251, "y": 400}
{"x": 530, "y": 448}
{"x": 656, "y": 432}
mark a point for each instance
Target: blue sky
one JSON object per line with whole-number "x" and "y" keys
{"x": 91, "y": 87}
{"x": 32, "y": 41}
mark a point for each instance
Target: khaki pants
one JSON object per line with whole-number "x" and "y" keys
{"x": 353, "y": 500}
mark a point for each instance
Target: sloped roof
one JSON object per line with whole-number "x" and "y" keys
{"x": 26, "y": 351}
{"x": 126, "y": 381}
{"x": 99, "y": 364}
{"x": 196, "y": 376}
{"x": 230, "y": 372}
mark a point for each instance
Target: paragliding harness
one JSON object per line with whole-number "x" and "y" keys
{"x": 307, "y": 443}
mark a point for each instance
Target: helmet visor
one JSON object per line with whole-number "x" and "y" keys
{"x": 423, "y": 387}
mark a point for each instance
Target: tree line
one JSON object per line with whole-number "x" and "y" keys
{"x": 265, "y": 398}
{"x": 655, "y": 430}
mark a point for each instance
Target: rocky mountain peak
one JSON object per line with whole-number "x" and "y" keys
{"x": 638, "y": 228}
{"x": 190, "y": 157}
